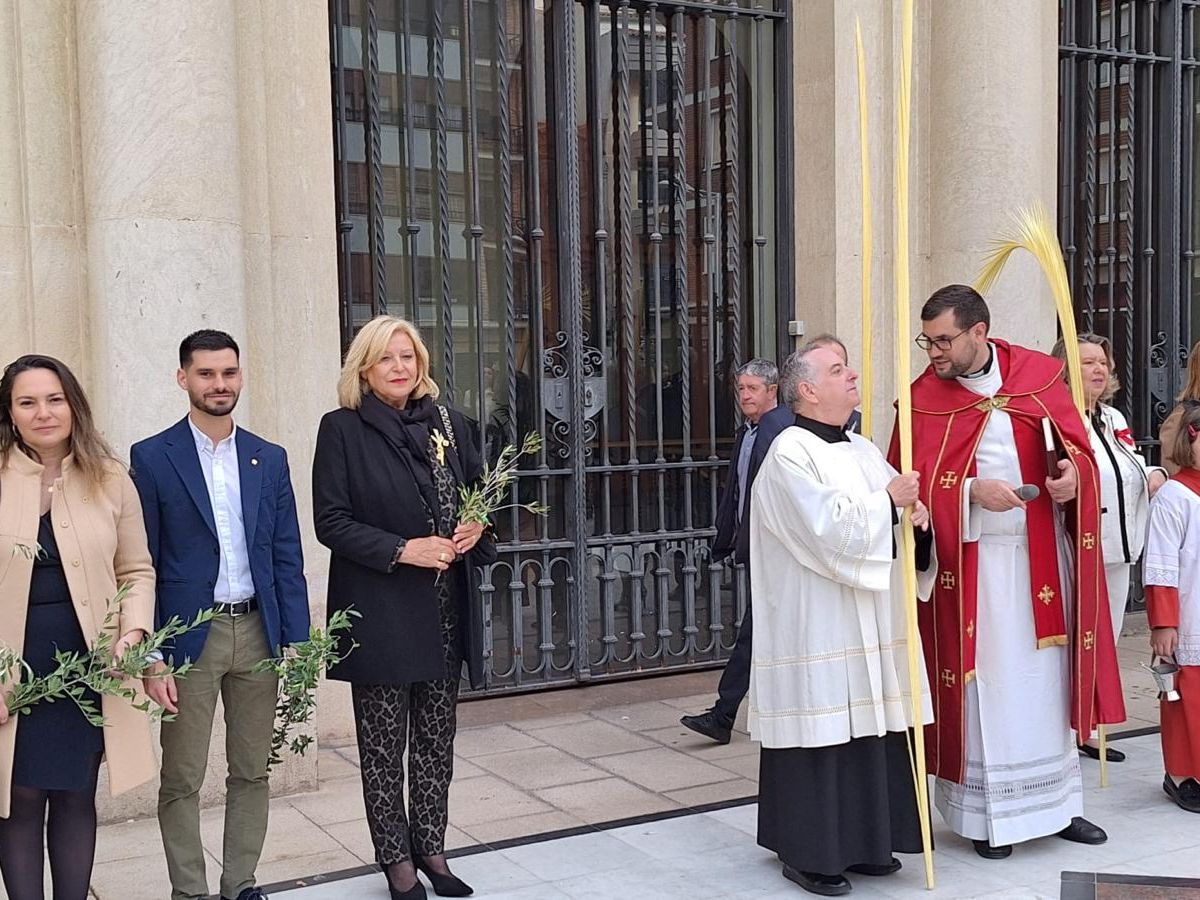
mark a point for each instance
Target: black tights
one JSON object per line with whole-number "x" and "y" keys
{"x": 70, "y": 839}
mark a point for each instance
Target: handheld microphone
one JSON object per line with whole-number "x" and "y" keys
{"x": 1028, "y": 492}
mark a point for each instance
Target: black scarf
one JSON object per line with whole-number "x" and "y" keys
{"x": 407, "y": 431}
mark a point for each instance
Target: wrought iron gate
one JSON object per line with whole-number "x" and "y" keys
{"x": 1127, "y": 202}
{"x": 578, "y": 204}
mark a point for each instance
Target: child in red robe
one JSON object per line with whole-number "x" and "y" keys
{"x": 1171, "y": 574}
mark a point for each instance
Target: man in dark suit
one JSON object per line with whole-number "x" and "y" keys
{"x": 757, "y": 394}
{"x": 221, "y": 521}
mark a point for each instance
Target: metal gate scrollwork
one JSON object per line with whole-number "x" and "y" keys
{"x": 576, "y": 201}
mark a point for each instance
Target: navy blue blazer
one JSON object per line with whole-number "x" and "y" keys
{"x": 183, "y": 535}
{"x": 733, "y": 536}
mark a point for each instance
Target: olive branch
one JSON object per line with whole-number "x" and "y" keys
{"x": 298, "y": 674}
{"x": 477, "y": 503}
{"x": 76, "y": 676}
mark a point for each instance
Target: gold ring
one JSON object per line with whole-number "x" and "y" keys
{"x": 441, "y": 557}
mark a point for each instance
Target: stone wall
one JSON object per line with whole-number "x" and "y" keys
{"x": 165, "y": 167}
{"x": 984, "y": 142}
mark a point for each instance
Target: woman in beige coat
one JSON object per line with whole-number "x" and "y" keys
{"x": 71, "y": 531}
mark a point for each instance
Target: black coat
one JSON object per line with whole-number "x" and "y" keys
{"x": 364, "y": 501}
{"x": 732, "y": 536}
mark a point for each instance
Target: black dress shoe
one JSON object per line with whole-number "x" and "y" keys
{"x": 1114, "y": 755}
{"x": 416, "y": 892}
{"x": 250, "y": 893}
{"x": 868, "y": 869}
{"x": 707, "y": 725}
{"x": 447, "y": 885}
{"x": 815, "y": 883}
{"x": 1081, "y": 831}
{"x": 1186, "y": 794}
{"x": 987, "y": 851}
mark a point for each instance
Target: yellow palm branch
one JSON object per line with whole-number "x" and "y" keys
{"x": 1033, "y": 231}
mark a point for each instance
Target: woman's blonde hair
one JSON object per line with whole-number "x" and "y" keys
{"x": 1086, "y": 337}
{"x": 1191, "y": 390}
{"x": 368, "y": 348}
{"x": 89, "y": 451}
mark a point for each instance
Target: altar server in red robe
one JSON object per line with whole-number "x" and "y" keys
{"x": 1172, "y": 579}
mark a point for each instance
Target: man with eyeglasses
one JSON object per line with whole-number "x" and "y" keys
{"x": 1018, "y": 652}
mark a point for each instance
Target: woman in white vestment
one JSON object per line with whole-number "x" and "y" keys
{"x": 1126, "y": 484}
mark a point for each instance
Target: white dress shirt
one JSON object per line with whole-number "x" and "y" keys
{"x": 219, "y": 463}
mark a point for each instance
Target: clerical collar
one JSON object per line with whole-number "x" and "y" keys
{"x": 830, "y": 434}
{"x": 987, "y": 366}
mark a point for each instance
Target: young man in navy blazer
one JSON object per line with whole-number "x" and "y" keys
{"x": 221, "y": 519}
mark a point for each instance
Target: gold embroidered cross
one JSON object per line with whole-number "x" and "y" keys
{"x": 947, "y": 580}
{"x": 440, "y": 443}
{"x": 1089, "y": 540}
{"x": 971, "y": 629}
{"x": 1089, "y": 640}
{"x": 949, "y": 480}
{"x": 1046, "y": 594}
{"x": 948, "y": 678}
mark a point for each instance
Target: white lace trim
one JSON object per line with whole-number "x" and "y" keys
{"x": 1160, "y": 576}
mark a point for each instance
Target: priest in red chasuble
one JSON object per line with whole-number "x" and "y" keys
{"x": 1017, "y": 636}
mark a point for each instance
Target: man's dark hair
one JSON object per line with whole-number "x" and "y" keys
{"x": 969, "y": 307}
{"x": 206, "y": 339}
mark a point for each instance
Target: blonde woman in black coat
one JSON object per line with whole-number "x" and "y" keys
{"x": 386, "y": 472}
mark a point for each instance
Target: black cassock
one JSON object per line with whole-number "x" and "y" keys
{"x": 824, "y": 809}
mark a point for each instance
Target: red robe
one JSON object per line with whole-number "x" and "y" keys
{"x": 947, "y": 426}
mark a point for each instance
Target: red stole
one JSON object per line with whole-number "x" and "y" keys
{"x": 948, "y": 424}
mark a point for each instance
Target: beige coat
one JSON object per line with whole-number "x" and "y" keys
{"x": 102, "y": 540}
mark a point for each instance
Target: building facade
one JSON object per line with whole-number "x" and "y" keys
{"x": 594, "y": 209}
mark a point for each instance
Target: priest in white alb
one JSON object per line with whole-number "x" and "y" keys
{"x": 1017, "y": 633}
{"x": 830, "y": 699}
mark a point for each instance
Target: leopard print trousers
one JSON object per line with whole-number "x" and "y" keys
{"x": 421, "y": 716}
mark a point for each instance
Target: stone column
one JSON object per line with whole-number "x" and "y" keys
{"x": 41, "y": 234}
{"x": 828, "y": 200}
{"x": 207, "y": 165}
{"x": 992, "y": 147}
{"x": 161, "y": 164}
{"x": 984, "y": 142}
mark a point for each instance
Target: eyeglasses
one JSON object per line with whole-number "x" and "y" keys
{"x": 942, "y": 343}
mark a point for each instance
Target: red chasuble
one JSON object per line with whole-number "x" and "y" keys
{"x": 948, "y": 424}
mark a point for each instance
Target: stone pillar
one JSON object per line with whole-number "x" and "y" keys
{"x": 41, "y": 234}
{"x": 828, "y": 200}
{"x": 207, "y": 163}
{"x": 161, "y": 162}
{"x": 984, "y": 142}
{"x": 992, "y": 144}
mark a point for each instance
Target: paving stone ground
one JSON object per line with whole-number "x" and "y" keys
{"x": 529, "y": 765}
{"x": 713, "y": 856}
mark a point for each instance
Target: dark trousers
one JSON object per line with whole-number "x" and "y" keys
{"x": 735, "y": 680}
{"x": 388, "y": 718}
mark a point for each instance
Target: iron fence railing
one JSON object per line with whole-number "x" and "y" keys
{"x": 578, "y": 202}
